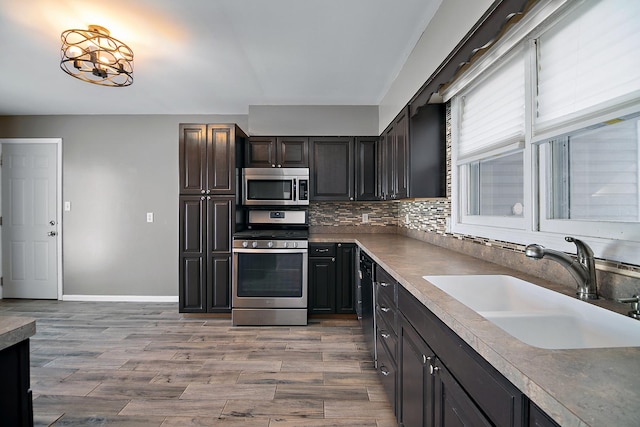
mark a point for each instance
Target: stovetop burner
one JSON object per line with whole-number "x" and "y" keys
{"x": 272, "y": 234}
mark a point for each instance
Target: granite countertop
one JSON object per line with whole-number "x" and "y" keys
{"x": 576, "y": 387}
{"x": 14, "y": 329}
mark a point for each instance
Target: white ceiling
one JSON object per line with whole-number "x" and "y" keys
{"x": 211, "y": 56}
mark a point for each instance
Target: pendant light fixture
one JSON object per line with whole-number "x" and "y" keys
{"x": 94, "y": 56}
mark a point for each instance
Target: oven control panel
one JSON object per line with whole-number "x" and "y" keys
{"x": 270, "y": 244}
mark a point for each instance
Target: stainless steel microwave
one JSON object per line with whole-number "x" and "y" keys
{"x": 275, "y": 187}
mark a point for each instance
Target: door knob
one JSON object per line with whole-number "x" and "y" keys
{"x": 52, "y": 233}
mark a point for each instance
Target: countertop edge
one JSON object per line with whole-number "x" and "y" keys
{"x": 14, "y": 329}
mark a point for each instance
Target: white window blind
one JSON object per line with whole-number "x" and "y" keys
{"x": 589, "y": 61}
{"x": 596, "y": 174}
{"x": 492, "y": 113}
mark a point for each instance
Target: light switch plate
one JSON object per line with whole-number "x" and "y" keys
{"x": 67, "y": 206}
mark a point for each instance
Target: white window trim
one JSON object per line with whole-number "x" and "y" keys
{"x": 554, "y": 232}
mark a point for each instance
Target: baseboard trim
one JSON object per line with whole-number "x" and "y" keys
{"x": 121, "y": 298}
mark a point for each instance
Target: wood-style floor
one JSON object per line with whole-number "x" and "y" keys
{"x": 143, "y": 364}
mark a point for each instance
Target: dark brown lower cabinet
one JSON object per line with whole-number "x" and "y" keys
{"x": 322, "y": 285}
{"x": 537, "y": 417}
{"x": 467, "y": 390}
{"x": 205, "y": 253}
{"x": 16, "y": 404}
{"x": 417, "y": 392}
{"x": 433, "y": 377}
{"x": 332, "y": 269}
{"x": 430, "y": 395}
{"x": 453, "y": 406}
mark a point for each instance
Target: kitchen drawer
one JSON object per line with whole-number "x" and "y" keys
{"x": 388, "y": 338}
{"x": 388, "y": 372}
{"x": 387, "y": 285}
{"x": 388, "y": 312}
{"x": 322, "y": 249}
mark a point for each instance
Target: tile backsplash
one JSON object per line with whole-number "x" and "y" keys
{"x": 338, "y": 214}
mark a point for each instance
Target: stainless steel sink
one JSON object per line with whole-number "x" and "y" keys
{"x": 537, "y": 316}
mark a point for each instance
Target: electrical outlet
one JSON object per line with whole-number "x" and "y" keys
{"x": 406, "y": 218}
{"x": 447, "y": 225}
{"x": 149, "y": 216}
{"x": 365, "y": 218}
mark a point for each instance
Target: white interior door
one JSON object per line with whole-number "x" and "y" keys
{"x": 30, "y": 223}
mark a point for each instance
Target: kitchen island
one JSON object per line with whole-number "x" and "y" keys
{"x": 576, "y": 387}
{"x": 16, "y": 408}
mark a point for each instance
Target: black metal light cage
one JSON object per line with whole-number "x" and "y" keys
{"x": 94, "y": 56}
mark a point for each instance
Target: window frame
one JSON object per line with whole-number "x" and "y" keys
{"x": 608, "y": 242}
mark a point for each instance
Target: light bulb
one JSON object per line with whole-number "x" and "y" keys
{"x": 73, "y": 52}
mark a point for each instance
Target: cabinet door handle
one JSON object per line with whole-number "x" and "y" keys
{"x": 333, "y": 260}
{"x": 384, "y": 371}
{"x": 384, "y": 309}
{"x": 384, "y": 335}
{"x": 384, "y": 284}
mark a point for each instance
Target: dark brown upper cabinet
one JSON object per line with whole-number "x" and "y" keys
{"x": 427, "y": 163}
{"x": 277, "y": 152}
{"x": 366, "y": 168}
{"x": 331, "y": 168}
{"x": 208, "y": 157}
{"x": 393, "y": 159}
{"x": 411, "y": 155}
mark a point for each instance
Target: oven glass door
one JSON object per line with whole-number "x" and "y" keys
{"x": 270, "y": 278}
{"x": 270, "y": 191}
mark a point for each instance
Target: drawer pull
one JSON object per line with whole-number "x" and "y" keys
{"x": 322, "y": 250}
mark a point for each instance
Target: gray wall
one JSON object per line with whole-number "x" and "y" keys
{"x": 118, "y": 168}
{"x": 451, "y": 22}
{"x": 313, "y": 120}
{"x": 115, "y": 170}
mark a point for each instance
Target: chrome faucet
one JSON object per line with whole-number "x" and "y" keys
{"x": 582, "y": 269}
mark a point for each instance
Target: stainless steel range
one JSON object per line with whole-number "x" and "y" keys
{"x": 270, "y": 268}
